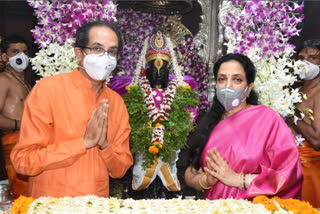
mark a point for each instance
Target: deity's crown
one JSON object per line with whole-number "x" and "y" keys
{"x": 158, "y": 46}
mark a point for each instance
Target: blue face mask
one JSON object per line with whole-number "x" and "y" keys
{"x": 231, "y": 97}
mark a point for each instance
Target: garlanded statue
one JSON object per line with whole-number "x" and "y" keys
{"x": 162, "y": 111}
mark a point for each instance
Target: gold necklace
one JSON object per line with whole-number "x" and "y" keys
{"x": 21, "y": 81}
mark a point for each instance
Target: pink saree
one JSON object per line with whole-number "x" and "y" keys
{"x": 256, "y": 140}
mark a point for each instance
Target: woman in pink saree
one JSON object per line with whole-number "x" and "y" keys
{"x": 241, "y": 149}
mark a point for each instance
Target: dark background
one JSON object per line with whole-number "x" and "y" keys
{"x": 16, "y": 17}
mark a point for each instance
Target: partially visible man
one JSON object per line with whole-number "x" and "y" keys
{"x": 3, "y": 171}
{"x": 75, "y": 130}
{"x": 309, "y": 127}
{"x": 2, "y": 65}
{"x": 13, "y": 92}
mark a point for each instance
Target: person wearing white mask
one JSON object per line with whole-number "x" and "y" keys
{"x": 75, "y": 130}
{"x": 241, "y": 149}
{"x": 309, "y": 127}
{"x": 13, "y": 92}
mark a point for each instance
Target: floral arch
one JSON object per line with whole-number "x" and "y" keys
{"x": 240, "y": 26}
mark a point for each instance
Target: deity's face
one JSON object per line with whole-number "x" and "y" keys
{"x": 310, "y": 54}
{"x": 158, "y": 79}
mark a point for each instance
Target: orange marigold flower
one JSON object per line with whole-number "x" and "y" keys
{"x": 271, "y": 206}
{"x": 153, "y": 150}
{"x": 158, "y": 124}
{"x": 293, "y": 205}
{"x": 157, "y": 143}
{"x": 21, "y": 205}
{"x": 260, "y": 199}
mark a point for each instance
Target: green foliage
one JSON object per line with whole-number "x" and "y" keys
{"x": 177, "y": 127}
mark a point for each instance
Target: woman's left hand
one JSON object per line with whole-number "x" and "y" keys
{"x": 219, "y": 168}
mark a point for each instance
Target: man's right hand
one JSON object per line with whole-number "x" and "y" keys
{"x": 97, "y": 126}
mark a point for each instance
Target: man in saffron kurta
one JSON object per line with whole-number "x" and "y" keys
{"x": 75, "y": 130}
{"x": 256, "y": 140}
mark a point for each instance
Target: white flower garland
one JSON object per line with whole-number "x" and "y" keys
{"x": 140, "y": 63}
{"x": 165, "y": 107}
{"x": 158, "y": 134}
{"x": 154, "y": 113}
{"x": 55, "y": 59}
{"x": 94, "y": 204}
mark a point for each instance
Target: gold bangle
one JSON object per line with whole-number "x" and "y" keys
{"x": 244, "y": 182}
{"x": 240, "y": 181}
{"x": 201, "y": 184}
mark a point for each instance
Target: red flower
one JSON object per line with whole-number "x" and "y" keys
{"x": 167, "y": 110}
{"x": 143, "y": 72}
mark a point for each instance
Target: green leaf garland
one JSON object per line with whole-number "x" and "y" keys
{"x": 177, "y": 127}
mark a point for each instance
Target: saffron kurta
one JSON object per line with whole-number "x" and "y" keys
{"x": 257, "y": 140}
{"x": 51, "y": 146}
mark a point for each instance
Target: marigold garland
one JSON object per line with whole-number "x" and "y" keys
{"x": 294, "y": 205}
{"x": 176, "y": 128}
{"x": 21, "y": 205}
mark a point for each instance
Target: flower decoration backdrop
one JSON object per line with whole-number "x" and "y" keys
{"x": 261, "y": 30}
{"x": 58, "y": 21}
{"x": 136, "y": 26}
{"x": 55, "y": 32}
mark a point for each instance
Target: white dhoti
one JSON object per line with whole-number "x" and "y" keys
{"x": 167, "y": 172}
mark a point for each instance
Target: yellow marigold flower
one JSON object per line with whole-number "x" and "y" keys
{"x": 157, "y": 143}
{"x": 21, "y": 205}
{"x": 129, "y": 87}
{"x": 153, "y": 150}
{"x": 184, "y": 87}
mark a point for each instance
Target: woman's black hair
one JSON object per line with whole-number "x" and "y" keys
{"x": 206, "y": 123}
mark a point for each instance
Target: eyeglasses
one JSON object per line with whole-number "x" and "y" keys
{"x": 98, "y": 50}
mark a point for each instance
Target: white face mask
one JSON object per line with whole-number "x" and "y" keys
{"x": 99, "y": 66}
{"x": 309, "y": 71}
{"x": 19, "y": 62}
